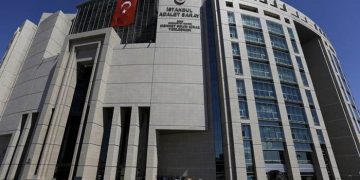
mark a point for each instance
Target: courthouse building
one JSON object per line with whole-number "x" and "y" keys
{"x": 164, "y": 89}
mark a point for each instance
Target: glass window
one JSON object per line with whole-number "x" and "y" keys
{"x": 282, "y": 57}
{"x": 296, "y": 113}
{"x": 286, "y": 74}
{"x": 274, "y": 157}
{"x": 295, "y": 47}
{"x": 274, "y": 27}
{"x": 264, "y": 89}
{"x": 320, "y": 136}
{"x": 291, "y": 33}
{"x": 315, "y": 117}
{"x": 229, "y": 4}
{"x": 260, "y": 70}
{"x": 257, "y": 52}
{"x": 244, "y": 113}
{"x": 240, "y": 87}
{"x": 231, "y": 17}
{"x": 246, "y": 132}
{"x": 233, "y": 31}
{"x": 299, "y": 62}
{"x": 272, "y": 145}
{"x": 235, "y": 49}
{"x": 302, "y": 146}
{"x": 271, "y": 131}
{"x": 267, "y": 110}
{"x": 291, "y": 93}
{"x": 304, "y": 157}
{"x": 238, "y": 67}
{"x": 309, "y": 97}
{"x": 301, "y": 135}
{"x": 254, "y": 36}
{"x": 248, "y": 148}
{"x": 251, "y": 21}
{"x": 248, "y": 153}
{"x": 278, "y": 42}
{"x": 304, "y": 79}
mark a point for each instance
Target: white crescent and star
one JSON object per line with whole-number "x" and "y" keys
{"x": 127, "y": 5}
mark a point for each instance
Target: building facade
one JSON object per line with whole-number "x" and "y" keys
{"x": 229, "y": 89}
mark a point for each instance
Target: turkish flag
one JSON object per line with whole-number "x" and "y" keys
{"x": 124, "y": 14}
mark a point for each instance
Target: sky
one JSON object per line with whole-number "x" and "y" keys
{"x": 339, "y": 19}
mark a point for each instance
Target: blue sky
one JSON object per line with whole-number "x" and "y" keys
{"x": 339, "y": 19}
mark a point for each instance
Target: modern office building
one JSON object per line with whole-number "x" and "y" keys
{"x": 211, "y": 90}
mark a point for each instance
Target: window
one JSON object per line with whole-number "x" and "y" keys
{"x": 333, "y": 60}
{"x": 286, "y": 74}
{"x": 229, "y": 4}
{"x": 304, "y": 157}
{"x": 254, "y": 36}
{"x": 248, "y": 152}
{"x": 270, "y": 14}
{"x": 278, "y": 42}
{"x": 244, "y": 114}
{"x": 295, "y": 47}
{"x": 240, "y": 87}
{"x": 309, "y": 97}
{"x": 235, "y": 49}
{"x": 272, "y": 145}
{"x": 260, "y": 70}
{"x": 291, "y": 33}
{"x": 291, "y": 93}
{"x": 248, "y": 148}
{"x": 299, "y": 62}
{"x": 248, "y": 8}
{"x": 275, "y": 28}
{"x": 304, "y": 79}
{"x": 301, "y": 135}
{"x": 251, "y": 21}
{"x": 271, "y": 133}
{"x": 233, "y": 32}
{"x": 267, "y": 110}
{"x": 302, "y": 146}
{"x": 274, "y": 157}
{"x": 315, "y": 117}
{"x": 320, "y": 136}
{"x": 246, "y": 132}
{"x": 296, "y": 113}
{"x": 231, "y": 17}
{"x": 238, "y": 67}
{"x": 257, "y": 52}
{"x": 282, "y": 57}
{"x": 287, "y": 20}
{"x": 264, "y": 89}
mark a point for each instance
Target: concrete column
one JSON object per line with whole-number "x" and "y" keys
{"x": 10, "y": 151}
{"x": 114, "y": 146}
{"x": 133, "y": 142}
{"x": 152, "y": 156}
{"x": 14, "y": 165}
{"x": 240, "y": 163}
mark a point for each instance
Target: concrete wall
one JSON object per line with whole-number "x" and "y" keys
{"x": 13, "y": 61}
{"x": 33, "y": 78}
{"x": 338, "y": 122}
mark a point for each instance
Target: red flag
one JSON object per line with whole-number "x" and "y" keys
{"x": 124, "y": 14}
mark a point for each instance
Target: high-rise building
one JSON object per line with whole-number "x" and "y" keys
{"x": 173, "y": 89}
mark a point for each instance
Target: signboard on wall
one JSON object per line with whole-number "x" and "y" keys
{"x": 179, "y": 18}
